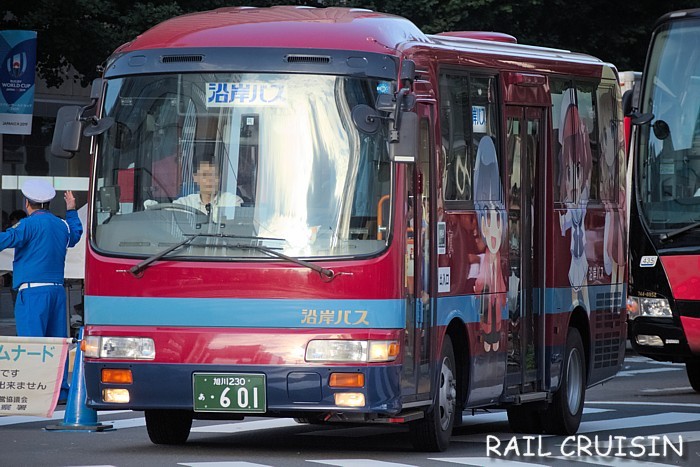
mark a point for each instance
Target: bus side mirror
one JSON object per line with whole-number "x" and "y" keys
{"x": 67, "y": 132}
{"x": 627, "y": 105}
{"x": 406, "y": 148}
{"x": 630, "y": 110}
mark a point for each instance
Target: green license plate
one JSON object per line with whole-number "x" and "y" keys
{"x": 229, "y": 392}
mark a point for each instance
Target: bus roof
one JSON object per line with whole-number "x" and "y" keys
{"x": 674, "y": 15}
{"x": 327, "y": 28}
{"x": 282, "y": 26}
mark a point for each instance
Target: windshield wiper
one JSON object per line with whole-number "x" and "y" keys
{"x": 140, "y": 267}
{"x": 664, "y": 237}
{"x": 315, "y": 267}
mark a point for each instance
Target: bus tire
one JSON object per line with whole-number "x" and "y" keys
{"x": 563, "y": 415}
{"x": 692, "y": 368}
{"x": 432, "y": 433}
{"x": 168, "y": 426}
{"x": 526, "y": 418}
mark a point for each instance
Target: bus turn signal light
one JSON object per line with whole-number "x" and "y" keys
{"x": 117, "y": 376}
{"x": 347, "y": 380}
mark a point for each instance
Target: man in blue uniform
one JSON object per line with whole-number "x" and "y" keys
{"x": 40, "y": 241}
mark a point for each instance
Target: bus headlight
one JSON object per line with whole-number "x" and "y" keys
{"x": 128, "y": 348}
{"x": 651, "y": 307}
{"x": 336, "y": 350}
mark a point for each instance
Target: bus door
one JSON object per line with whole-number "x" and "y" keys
{"x": 525, "y": 189}
{"x": 419, "y": 298}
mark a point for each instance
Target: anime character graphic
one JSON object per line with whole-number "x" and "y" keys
{"x": 575, "y": 179}
{"x": 614, "y": 197}
{"x": 488, "y": 198}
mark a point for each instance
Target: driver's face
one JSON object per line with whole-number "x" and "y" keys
{"x": 207, "y": 178}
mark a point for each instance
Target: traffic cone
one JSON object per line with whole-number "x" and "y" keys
{"x": 78, "y": 416}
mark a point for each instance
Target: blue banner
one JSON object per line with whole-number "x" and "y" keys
{"x": 17, "y": 71}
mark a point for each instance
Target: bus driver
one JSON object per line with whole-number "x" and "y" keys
{"x": 208, "y": 200}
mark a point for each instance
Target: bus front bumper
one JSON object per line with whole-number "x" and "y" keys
{"x": 659, "y": 339}
{"x": 288, "y": 391}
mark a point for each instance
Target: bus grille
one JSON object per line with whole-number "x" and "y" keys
{"x": 607, "y": 330}
{"x": 181, "y": 58}
{"x": 316, "y": 59}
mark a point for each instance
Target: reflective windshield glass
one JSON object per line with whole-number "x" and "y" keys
{"x": 261, "y": 159}
{"x": 669, "y": 149}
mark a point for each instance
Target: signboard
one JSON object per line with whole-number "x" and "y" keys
{"x": 17, "y": 70}
{"x": 31, "y": 371}
{"x": 479, "y": 118}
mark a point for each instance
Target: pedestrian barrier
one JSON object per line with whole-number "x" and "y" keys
{"x": 78, "y": 416}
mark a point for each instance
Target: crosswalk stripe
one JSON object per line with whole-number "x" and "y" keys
{"x": 638, "y": 422}
{"x": 502, "y": 416}
{"x": 358, "y": 463}
{"x": 646, "y": 360}
{"x": 600, "y": 425}
{"x": 245, "y": 426}
{"x": 483, "y": 461}
{"x": 648, "y": 370}
{"x": 612, "y": 461}
{"x": 223, "y": 464}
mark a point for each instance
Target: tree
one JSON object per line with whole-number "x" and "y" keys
{"x": 83, "y": 33}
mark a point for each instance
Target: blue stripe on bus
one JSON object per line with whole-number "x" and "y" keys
{"x": 284, "y": 313}
{"x": 236, "y": 312}
{"x": 557, "y": 300}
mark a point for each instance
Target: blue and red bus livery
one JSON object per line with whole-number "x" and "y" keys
{"x": 392, "y": 227}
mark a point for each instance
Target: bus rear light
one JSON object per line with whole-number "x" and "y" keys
{"x": 340, "y": 350}
{"x": 651, "y": 341}
{"x": 127, "y": 348}
{"x": 117, "y": 376}
{"x": 349, "y": 399}
{"x": 346, "y": 380}
{"x": 115, "y": 396}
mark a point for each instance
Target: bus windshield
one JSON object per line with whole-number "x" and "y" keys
{"x": 268, "y": 159}
{"x": 669, "y": 147}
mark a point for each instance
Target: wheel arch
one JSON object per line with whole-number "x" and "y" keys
{"x": 579, "y": 320}
{"x": 457, "y": 331}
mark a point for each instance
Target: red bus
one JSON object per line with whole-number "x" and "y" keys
{"x": 664, "y": 302}
{"x": 326, "y": 214}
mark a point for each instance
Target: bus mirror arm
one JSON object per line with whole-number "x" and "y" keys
{"x": 630, "y": 110}
{"x": 641, "y": 119}
{"x": 70, "y": 121}
{"x": 403, "y": 135}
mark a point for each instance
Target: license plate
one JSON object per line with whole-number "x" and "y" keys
{"x": 229, "y": 392}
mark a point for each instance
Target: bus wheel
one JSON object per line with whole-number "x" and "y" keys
{"x": 168, "y": 426}
{"x": 563, "y": 416}
{"x": 692, "y": 367}
{"x": 526, "y": 418}
{"x": 432, "y": 433}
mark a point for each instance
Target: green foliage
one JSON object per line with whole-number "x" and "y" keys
{"x": 83, "y": 33}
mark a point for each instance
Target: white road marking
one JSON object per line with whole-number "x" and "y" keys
{"x": 358, "y": 463}
{"x": 245, "y": 426}
{"x": 223, "y": 464}
{"x": 482, "y": 461}
{"x": 638, "y": 422}
{"x": 645, "y": 371}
